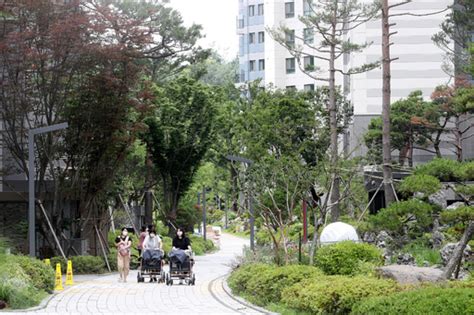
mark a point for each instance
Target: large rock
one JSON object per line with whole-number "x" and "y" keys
{"x": 405, "y": 274}
{"x": 455, "y": 205}
{"x": 447, "y": 251}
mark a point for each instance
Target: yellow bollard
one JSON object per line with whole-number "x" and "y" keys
{"x": 47, "y": 262}
{"x": 58, "y": 286}
{"x": 69, "y": 280}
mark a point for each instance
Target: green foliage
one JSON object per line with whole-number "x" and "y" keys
{"x": 83, "y": 264}
{"x": 16, "y": 286}
{"x": 266, "y": 286}
{"x": 424, "y": 301}
{"x": 180, "y": 132}
{"x": 413, "y": 213}
{"x": 425, "y": 184}
{"x": 444, "y": 169}
{"x": 40, "y": 275}
{"x": 216, "y": 216}
{"x": 239, "y": 279}
{"x": 422, "y": 252}
{"x": 334, "y": 294}
{"x": 199, "y": 246}
{"x": 343, "y": 258}
{"x": 462, "y": 214}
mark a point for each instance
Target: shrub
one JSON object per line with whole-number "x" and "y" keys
{"x": 425, "y": 184}
{"x": 16, "y": 288}
{"x": 266, "y": 286}
{"x": 334, "y": 294}
{"x": 423, "y": 301}
{"x": 443, "y": 169}
{"x": 401, "y": 214}
{"x": 83, "y": 264}
{"x": 216, "y": 217}
{"x": 344, "y": 258}
{"x": 465, "y": 172}
{"x": 240, "y": 277}
{"x": 200, "y": 246}
{"x": 41, "y": 276}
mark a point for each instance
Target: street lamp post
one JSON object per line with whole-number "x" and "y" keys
{"x": 252, "y": 215}
{"x": 31, "y": 182}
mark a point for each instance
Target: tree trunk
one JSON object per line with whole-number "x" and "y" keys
{"x": 148, "y": 194}
{"x": 386, "y": 98}
{"x": 458, "y": 139}
{"x": 459, "y": 251}
{"x": 335, "y": 194}
{"x": 410, "y": 153}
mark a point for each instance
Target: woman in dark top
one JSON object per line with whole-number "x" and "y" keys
{"x": 181, "y": 241}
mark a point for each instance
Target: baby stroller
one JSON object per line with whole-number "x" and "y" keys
{"x": 181, "y": 268}
{"x": 151, "y": 265}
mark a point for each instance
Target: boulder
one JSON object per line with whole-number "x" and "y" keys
{"x": 405, "y": 274}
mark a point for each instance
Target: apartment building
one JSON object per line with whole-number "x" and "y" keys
{"x": 418, "y": 67}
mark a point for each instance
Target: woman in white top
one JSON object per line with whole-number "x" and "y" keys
{"x": 152, "y": 242}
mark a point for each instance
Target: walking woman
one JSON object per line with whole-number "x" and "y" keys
{"x": 123, "y": 244}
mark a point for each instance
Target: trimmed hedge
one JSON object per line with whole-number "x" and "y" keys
{"x": 238, "y": 280}
{"x": 334, "y": 294}
{"x": 266, "y": 286}
{"x": 83, "y": 264}
{"x": 424, "y": 301}
{"x": 345, "y": 258}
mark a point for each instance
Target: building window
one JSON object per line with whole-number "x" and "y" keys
{"x": 291, "y": 87}
{"x": 309, "y": 87}
{"x": 308, "y": 35}
{"x": 261, "y": 65}
{"x": 307, "y": 7}
{"x": 252, "y": 65}
{"x": 251, "y": 10}
{"x": 308, "y": 63}
{"x": 241, "y": 23}
{"x": 251, "y": 38}
{"x": 290, "y": 38}
{"x": 290, "y": 65}
{"x": 289, "y": 9}
{"x": 260, "y": 9}
{"x": 261, "y": 37}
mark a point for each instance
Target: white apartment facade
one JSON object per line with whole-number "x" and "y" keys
{"x": 419, "y": 64}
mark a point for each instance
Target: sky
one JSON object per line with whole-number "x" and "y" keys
{"x": 217, "y": 18}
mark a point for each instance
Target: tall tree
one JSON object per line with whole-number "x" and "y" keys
{"x": 181, "y": 130}
{"x": 455, "y": 38}
{"x": 330, "y": 20}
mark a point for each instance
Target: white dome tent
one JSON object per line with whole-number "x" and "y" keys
{"x": 337, "y": 232}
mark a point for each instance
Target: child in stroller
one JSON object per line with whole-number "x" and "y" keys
{"x": 151, "y": 263}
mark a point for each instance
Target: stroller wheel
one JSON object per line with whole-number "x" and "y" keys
{"x": 167, "y": 279}
{"x": 194, "y": 279}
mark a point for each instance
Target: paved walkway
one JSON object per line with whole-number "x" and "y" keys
{"x": 105, "y": 295}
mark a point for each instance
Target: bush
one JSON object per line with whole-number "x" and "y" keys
{"x": 394, "y": 218}
{"x": 41, "y": 276}
{"x": 334, "y": 294}
{"x": 344, "y": 258}
{"x": 240, "y": 277}
{"x": 443, "y": 169}
{"x": 199, "y": 246}
{"x": 16, "y": 288}
{"x": 266, "y": 286}
{"x": 423, "y": 301}
{"x": 216, "y": 217}
{"x": 83, "y": 264}
{"x": 425, "y": 184}
{"x": 422, "y": 253}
